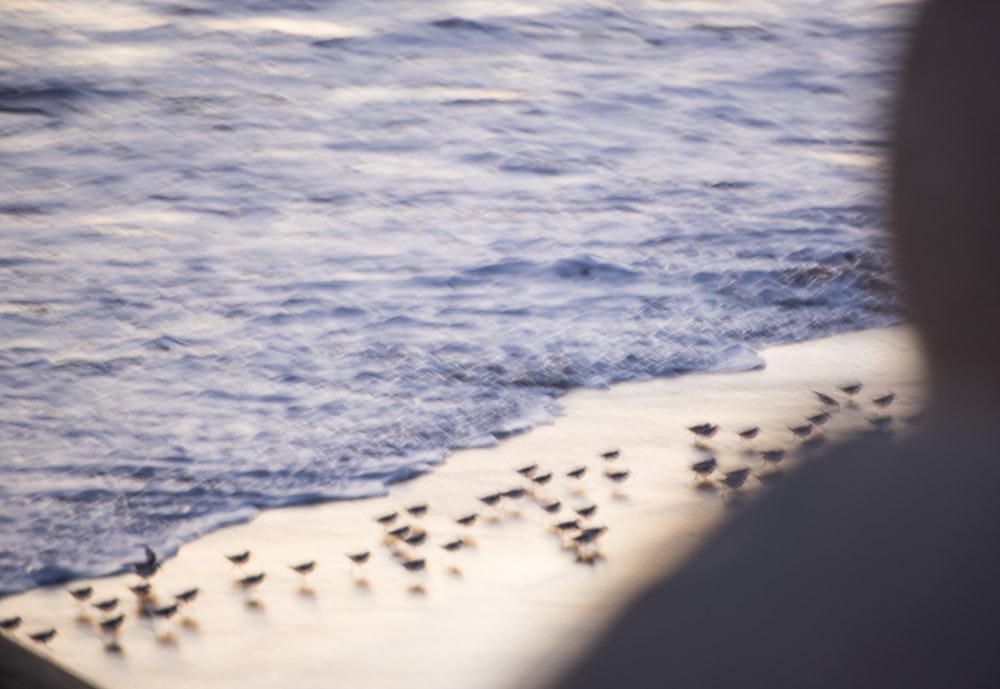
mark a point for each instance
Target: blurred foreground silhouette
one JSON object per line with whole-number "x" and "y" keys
{"x": 877, "y": 564}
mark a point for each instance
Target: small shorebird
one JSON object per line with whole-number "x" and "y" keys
{"x": 187, "y": 596}
{"x": 704, "y": 467}
{"x": 360, "y": 558}
{"x": 239, "y": 559}
{"x": 591, "y": 534}
{"x": 491, "y": 500}
{"x": 415, "y": 565}
{"x": 735, "y": 479}
{"x": 417, "y": 510}
{"x": 303, "y": 568}
{"x": 11, "y": 623}
{"x": 166, "y": 611}
{"x": 112, "y": 624}
{"x": 884, "y": 401}
{"x": 568, "y": 525}
{"x": 467, "y": 520}
{"x": 542, "y": 479}
{"x": 528, "y": 470}
{"x": 141, "y": 589}
{"x": 552, "y": 507}
{"x": 704, "y": 431}
{"x": 818, "y": 419}
{"x": 611, "y": 455}
{"x": 43, "y": 637}
{"x": 400, "y": 531}
{"x": 802, "y": 431}
{"x": 826, "y": 399}
{"x": 149, "y": 566}
{"x": 514, "y": 493}
{"x": 415, "y": 538}
{"x": 452, "y": 546}
{"x": 82, "y": 593}
{"x": 880, "y": 422}
{"x": 772, "y": 456}
{"x": 387, "y": 519}
{"x": 618, "y": 476}
{"x": 577, "y": 473}
{"x": 587, "y": 511}
{"x": 851, "y": 389}
{"x": 250, "y": 581}
{"x": 106, "y": 605}
{"x": 749, "y": 433}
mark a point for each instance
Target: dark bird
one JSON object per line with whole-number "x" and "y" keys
{"x": 568, "y": 525}
{"x": 414, "y": 565}
{"x": 11, "y": 623}
{"x": 851, "y": 389}
{"x": 801, "y": 431}
{"x": 542, "y": 479}
{"x": 617, "y": 476}
{"x": 166, "y": 611}
{"x": 514, "y": 493}
{"x": 880, "y": 423}
{"x": 826, "y": 399}
{"x": 736, "y": 478}
{"x": 467, "y": 520}
{"x": 492, "y": 499}
{"x": 611, "y": 454}
{"x": 400, "y": 531}
{"x": 884, "y": 401}
{"x": 818, "y": 419}
{"x": 415, "y": 538}
{"x": 749, "y": 433}
{"x": 387, "y": 519}
{"x": 82, "y": 593}
{"x": 452, "y": 546}
{"x": 577, "y": 473}
{"x": 112, "y": 624}
{"x": 704, "y": 467}
{"x": 704, "y": 430}
{"x": 552, "y": 507}
{"x": 250, "y": 581}
{"x": 106, "y": 605}
{"x": 149, "y": 566}
{"x": 43, "y": 637}
{"x": 239, "y": 558}
{"x": 586, "y": 512}
{"x": 188, "y": 596}
{"x": 772, "y": 456}
{"x": 142, "y": 589}
{"x": 417, "y": 510}
{"x": 527, "y": 470}
{"x": 304, "y": 568}
{"x": 590, "y": 535}
{"x": 360, "y": 558}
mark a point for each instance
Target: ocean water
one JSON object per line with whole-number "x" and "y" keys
{"x": 266, "y": 253}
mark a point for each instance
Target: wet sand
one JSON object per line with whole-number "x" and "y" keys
{"x": 513, "y": 605}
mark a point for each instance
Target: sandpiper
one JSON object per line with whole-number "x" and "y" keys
{"x": 735, "y": 479}
{"x": 704, "y": 431}
{"x": 9, "y": 624}
{"x": 141, "y": 589}
{"x": 415, "y": 565}
{"x": 149, "y": 566}
{"x": 112, "y": 624}
{"x": 527, "y": 470}
{"x": 467, "y": 520}
{"x": 400, "y": 531}
{"x": 43, "y": 637}
{"x": 82, "y": 593}
{"x": 568, "y": 525}
{"x": 611, "y": 455}
{"x": 618, "y": 476}
{"x": 826, "y": 399}
{"x": 106, "y": 605}
{"x": 166, "y": 611}
{"x": 590, "y": 534}
{"x": 851, "y": 389}
{"x": 387, "y": 519}
{"x": 748, "y": 433}
{"x": 577, "y": 473}
{"x": 552, "y": 507}
{"x": 492, "y": 499}
{"x": 880, "y": 422}
{"x": 250, "y": 580}
{"x": 415, "y": 538}
{"x": 188, "y": 596}
{"x": 818, "y": 419}
{"x": 542, "y": 479}
{"x": 360, "y": 558}
{"x": 452, "y": 546}
{"x": 303, "y": 568}
{"x": 802, "y": 431}
{"x": 772, "y": 456}
{"x": 704, "y": 467}
{"x": 239, "y": 559}
{"x": 514, "y": 493}
{"x": 884, "y": 401}
{"x": 417, "y": 510}
{"x": 587, "y": 511}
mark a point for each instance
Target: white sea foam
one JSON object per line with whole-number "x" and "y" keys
{"x": 277, "y": 254}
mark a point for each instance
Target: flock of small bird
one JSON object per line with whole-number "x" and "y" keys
{"x": 567, "y": 515}
{"x": 806, "y": 434}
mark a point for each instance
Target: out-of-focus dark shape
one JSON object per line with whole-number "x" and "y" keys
{"x": 876, "y": 565}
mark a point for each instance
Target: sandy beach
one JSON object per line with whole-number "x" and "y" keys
{"x": 513, "y": 604}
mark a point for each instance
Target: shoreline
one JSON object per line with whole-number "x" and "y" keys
{"x": 512, "y": 606}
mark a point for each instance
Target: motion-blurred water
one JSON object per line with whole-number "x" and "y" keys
{"x": 297, "y": 250}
